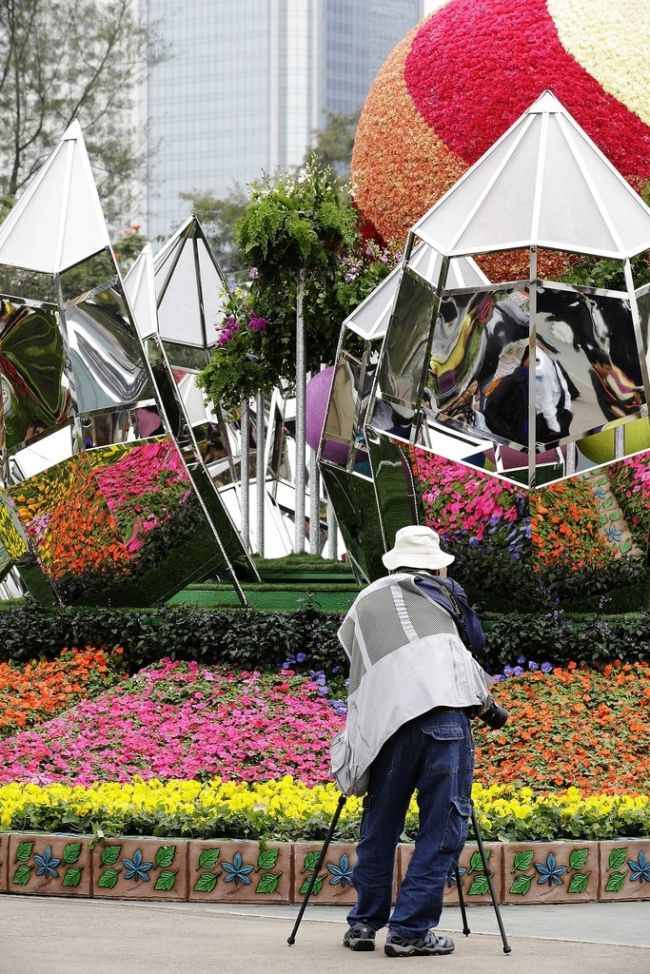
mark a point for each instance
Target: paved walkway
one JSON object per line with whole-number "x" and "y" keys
{"x": 40, "y": 935}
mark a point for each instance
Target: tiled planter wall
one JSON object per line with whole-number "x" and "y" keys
{"x": 145, "y": 868}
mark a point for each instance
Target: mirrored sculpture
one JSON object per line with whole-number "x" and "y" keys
{"x": 528, "y": 384}
{"x": 201, "y": 438}
{"x": 99, "y": 505}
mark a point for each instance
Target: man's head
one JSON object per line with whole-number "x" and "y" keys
{"x": 417, "y": 546}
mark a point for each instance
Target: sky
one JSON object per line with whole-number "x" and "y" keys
{"x": 430, "y": 5}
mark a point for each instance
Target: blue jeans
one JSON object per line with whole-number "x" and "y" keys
{"x": 433, "y": 753}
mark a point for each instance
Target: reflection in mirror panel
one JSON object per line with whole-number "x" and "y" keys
{"x": 87, "y": 276}
{"x": 23, "y": 285}
{"x": 643, "y": 304}
{"x": 42, "y": 453}
{"x": 117, "y": 426}
{"x": 339, "y": 427}
{"x": 186, "y": 356}
{"x": 355, "y": 504}
{"x": 35, "y": 394}
{"x": 105, "y": 353}
{"x": 403, "y": 360}
{"x": 588, "y": 368}
{"x": 118, "y": 524}
{"x": 479, "y": 364}
{"x": 397, "y": 501}
{"x": 229, "y": 538}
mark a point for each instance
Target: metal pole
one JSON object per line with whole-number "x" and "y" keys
{"x": 260, "y": 470}
{"x": 332, "y": 528}
{"x": 244, "y": 473}
{"x": 488, "y": 875}
{"x": 461, "y": 902}
{"x": 291, "y": 939}
{"x": 314, "y": 504}
{"x": 299, "y": 537}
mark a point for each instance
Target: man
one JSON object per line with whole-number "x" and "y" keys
{"x": 413, "y": 688}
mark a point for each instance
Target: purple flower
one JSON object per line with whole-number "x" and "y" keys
{"x": 517, "y": 671}
{"x": 253, "y": 274}
{"x": 257, "y": 323}
{"x": 301, "y": 657}
{"x": 532, "y": 666}
{"x": 546, "y": 667}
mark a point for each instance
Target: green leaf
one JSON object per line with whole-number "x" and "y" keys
{"x": 523, "y": 860}
{"x": 615, "y": 883}
{"x": 72, "y": 877}
{"x": 110, "y": 854}
{"x": 578, "y": 858}
{"x": 479, "y": 886}
{"x": 579, "y": 882}
{"x": 521, "y": 885}
{"x": 108, "y": 879}
{"x": 318, "y": 885}
{"x": 24, "y": 851}
{"x": 268, "y": 883}
{"x": 165, "y": 880}
{"x": 165, "y": 856}
{"x": 617, "y": 858}
{"x": 22, "y": 875}
{"x": 476, "y": 862}
{"x": 206, "y": 883}
{"x": 208, "y": 858}
{"x": 268, "y": 858}
{"x": 72, "y": 852}
{"x": 311, "y": 859}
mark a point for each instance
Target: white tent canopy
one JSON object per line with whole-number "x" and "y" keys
{"x": 370, "y": 319}
{"x": 189, "y": 288}
{"x": 58, "y": 221}
{"x": 544, "y": 183}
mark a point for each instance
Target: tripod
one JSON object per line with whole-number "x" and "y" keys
{"x": 291, "y": 939}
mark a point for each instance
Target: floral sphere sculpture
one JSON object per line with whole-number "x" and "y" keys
{"x": 461, "y": 77}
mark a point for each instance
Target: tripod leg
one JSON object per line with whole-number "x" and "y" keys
{"x": 291, "y": 939}
{"x": 461, "y": 902}
{"x": 488, "y": 875}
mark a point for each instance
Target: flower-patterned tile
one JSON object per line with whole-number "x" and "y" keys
{"x": 50, "y": 865}
{"x": 140, "y": 868}
{"x": 333, "y": 885}
{"x": 471, "y": 871}
{"x": 4, "y": 857}
{"x": 624, "y": 870}
{"x": 550, "y": 872}
{"x": 241, "y": 872}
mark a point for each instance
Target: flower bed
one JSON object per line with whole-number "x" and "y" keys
{"x": 180, "y": 720}
{"x": 290, "y": 810}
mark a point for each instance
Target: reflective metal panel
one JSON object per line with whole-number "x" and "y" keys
{"x": 106, "y": 356}
{"x": 397, "y": 501}
{"x": 588, "y": 369}
{"x": 403, "y": 361}
{"x": 353, "y": 499}
{"x": 35, "y": 396}
{"x": 86, "y": 276}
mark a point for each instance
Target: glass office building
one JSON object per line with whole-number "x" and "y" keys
{"x": 246, "y": 82}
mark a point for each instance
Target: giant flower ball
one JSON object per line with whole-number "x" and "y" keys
{"x": 461, "y": 77}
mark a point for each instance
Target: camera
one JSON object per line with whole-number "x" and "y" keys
{"x": 494, "y": 716}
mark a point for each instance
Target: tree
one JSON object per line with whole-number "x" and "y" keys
{"x": 333, "y": 143}
{"x": 301, "y": 222}
{"x": 218, "y": 218}
{"x": 74, "y": 59}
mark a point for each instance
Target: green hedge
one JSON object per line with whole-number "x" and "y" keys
{"x": 249, "y": 639}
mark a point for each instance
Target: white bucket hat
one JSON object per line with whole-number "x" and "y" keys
{"x": 416, "y": 547}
